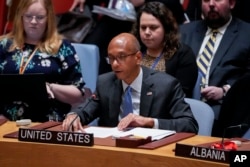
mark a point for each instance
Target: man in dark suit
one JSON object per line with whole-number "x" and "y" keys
{"x": 231, "y": 54}
{"x": 157, "y": 98}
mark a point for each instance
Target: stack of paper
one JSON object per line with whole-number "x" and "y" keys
{"x": 101, "y": 132}
{"x": 155, "y": 134}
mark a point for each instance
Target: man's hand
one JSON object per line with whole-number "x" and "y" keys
{"x": 135, "y": 121}
{"x": 76, "y": 3}
{"x": 72, "y": 123}
{"x": 212, "y": 93}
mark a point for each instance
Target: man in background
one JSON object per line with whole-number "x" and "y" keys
{"x": 227, "y": 58}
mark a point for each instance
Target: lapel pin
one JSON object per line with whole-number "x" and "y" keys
{"x": 149, "y": 93}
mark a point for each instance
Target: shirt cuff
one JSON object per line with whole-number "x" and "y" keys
{"x": 228, "y": 86}
{"x": 71, "y": 113}
{"x": 156, "y": 124}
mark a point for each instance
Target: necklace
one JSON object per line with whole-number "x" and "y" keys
{"x": 23, "y": 65}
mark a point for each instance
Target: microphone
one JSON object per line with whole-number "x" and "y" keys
{"x": 240, "y": 126}
{"x": 93, "y": 97}
{"x": 71, "y": 123}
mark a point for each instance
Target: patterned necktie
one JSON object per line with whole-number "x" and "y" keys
{"x": 127, "y": 106}
{"x": 205, "y": 57}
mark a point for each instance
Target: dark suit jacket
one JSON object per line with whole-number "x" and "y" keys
{"x": 232, "y": 58}
{"x": 182, "y": 65}
{"x": 161, "y": 97}
{"x": 235, "y": 109}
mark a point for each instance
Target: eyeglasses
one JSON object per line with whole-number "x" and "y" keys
{"x": 39, "y": 18}
{"x": 120, "y": 58}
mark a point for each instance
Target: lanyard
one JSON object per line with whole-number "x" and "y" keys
{"x": 23, "y": 65}
{"x": 156, "y": 61}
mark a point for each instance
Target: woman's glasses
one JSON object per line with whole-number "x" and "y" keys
{"x": 39, "y": 18}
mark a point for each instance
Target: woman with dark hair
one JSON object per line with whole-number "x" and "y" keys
{"x": 157, "y": 31}
{"x": 175, "y": 7}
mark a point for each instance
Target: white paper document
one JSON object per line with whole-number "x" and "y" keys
{"x": 102, "y": 132}
{"x": 155, "y": 134}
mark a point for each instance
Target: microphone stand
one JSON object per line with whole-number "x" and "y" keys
{"x": 230, "y": 127}
{"x": 71, "y": 123}
{"x": 93, "y": 97}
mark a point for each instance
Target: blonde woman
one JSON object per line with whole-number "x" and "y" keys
{"x": 34, "y": 46}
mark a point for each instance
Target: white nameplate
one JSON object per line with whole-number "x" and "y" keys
{"x": 204, "y": 153}
{"x": 56, "y": 137}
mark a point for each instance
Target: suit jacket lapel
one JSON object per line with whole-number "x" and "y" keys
{"x": 115, "y": 100}
{"x": 225, "y": 44}
{"x": 198, "y": 37}
{"x": 147, "y": 93}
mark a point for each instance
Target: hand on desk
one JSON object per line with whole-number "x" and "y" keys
{"x": 72, "y": 123}
{"x": 132, "y": 120}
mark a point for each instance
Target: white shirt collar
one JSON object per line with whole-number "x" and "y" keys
{"x": 221, "y": 30}
{"x": 136, "y": 84}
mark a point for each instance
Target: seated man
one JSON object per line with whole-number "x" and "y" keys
{"x": 157, "y": 98}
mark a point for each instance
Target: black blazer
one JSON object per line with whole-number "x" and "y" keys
{"x": 161, "y": 98}
{"x": 183, "y": 67}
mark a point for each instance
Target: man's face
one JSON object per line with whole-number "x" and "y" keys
{"x": 124, "y": 61}
{"x": 217, "y": 12}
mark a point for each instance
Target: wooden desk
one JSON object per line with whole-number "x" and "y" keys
{"x": 16, "y": 153}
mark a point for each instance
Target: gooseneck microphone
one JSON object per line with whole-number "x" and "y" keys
{"x": 71, "y": 123}
{"x": 240, "y": 126}
{"x": 93, "y": 97}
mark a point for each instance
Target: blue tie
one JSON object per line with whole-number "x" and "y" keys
{"x": 127, "y": 106}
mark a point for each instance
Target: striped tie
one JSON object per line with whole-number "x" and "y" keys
{"x": 205, "y": 57}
